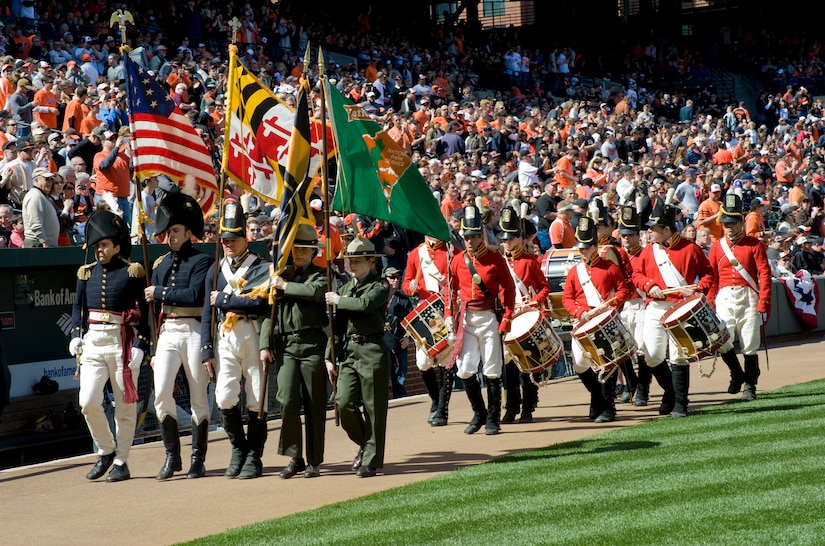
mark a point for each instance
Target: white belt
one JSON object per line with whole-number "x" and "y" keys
{"x": 107, "y": 318}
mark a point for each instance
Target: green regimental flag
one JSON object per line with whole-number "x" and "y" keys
{"x": 376, "y": 177}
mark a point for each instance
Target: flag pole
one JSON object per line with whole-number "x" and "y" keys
{"x": 328, "y": 250}
{"x": 120, "y": 18}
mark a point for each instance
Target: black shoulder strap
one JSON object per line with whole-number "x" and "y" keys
{"x": 475, "y": 275}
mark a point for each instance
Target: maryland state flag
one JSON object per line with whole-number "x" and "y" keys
{"x": 258, "y": 130}
{"x": 376, "y": 177}
{"x": 297, "y": 185}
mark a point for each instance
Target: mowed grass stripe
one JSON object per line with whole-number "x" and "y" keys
{"x": 730, "y": 474}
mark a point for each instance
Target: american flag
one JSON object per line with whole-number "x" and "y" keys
{"x": 164, "y": 141}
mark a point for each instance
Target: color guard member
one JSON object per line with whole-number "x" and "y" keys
{"x": 668, "y": 262}
{"x": 477, "y": 277}
{"x": 177, "y": 289}
{"x": 297, "y": 345}
{"x": 589, "y": 286}
{"x": 363, "y": 367}
{"x": 426, "y": 274}
{"x": 235, "y": 354}
{"x": 742, "y": 294}
{"x": 109, "y": 304}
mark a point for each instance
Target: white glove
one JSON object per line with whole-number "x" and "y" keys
{"x": 137, "y": 358}
{"x": 75, "y": 346}
{"x": 449, "y": 323}
{"x": 332, "y": 298}
{"x": 279, "y": 282}
{"x": 413, "y": 285}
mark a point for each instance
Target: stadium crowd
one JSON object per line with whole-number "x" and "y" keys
{"x": 494, "y": 124}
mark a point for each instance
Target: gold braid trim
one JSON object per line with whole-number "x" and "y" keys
{"x": 84, "y": 272}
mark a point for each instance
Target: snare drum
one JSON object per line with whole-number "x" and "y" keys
{"x": 605, "y": 341}
{"x": 693, "y": 326}
{"x": 532, "y": 342}
{"x": 556, "y": 263}
{"x": 425, "y": 324}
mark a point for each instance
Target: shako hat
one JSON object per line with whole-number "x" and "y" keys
{"x": 471, "y": 223}
{"x": 179, "y": 208}
{"x": 662, "y": 215}
{"x": 105, "y": 224}
{"x": 731, "y": 209}
{"x": 629, "y": 221}
{"x": 586, "y": 232}
{"x": 233, "y": 221}
{"x": 509, "y": 223}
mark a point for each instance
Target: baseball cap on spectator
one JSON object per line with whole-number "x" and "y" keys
{"x": 109, "y": 134}
{"x": 24, "y": 143}
{"x": 802, "y": 240}
{"x": 99, "y": 131}
{"x": 86, "y": 57}
{"x": 9, "y": 144}
{"x": 71, "y": 63}
{"x": 691, "y": 170}
{"x": 23, "y": 82}
{"x": 816, "y": 241}
{"x": 110, "y": 38}
{"x": 40, "y": 172}
{"x": 264, "y": 219}
{"x": 484, "y": 185}
{"x": 87, "y": 39}
{"x": 44, "y": 64}
{"x": 715, "y": 187}
{"x": 565, "y": 205}
{"x": 370, "y": 94}
{"x": 779, "y": 239}
{"x": 316, "y": 204}
{"x": 54, "y": 136}
{"x": 756, "y": 201}
{"x": 250, "y": 51}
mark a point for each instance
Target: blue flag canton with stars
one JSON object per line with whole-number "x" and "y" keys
{"x": 145, "y": 92}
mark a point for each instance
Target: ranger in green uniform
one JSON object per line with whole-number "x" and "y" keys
{"x": 298, "y": 342}
{"x": 363, "y": 359}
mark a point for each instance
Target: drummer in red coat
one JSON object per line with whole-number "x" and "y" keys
{"x": 608, "y": 249}
{"x": 477, "y": 277}
{"x": 668, "y": 262}
{"x": 742, "y": 293}
{"x": 589, "y": 285}
{"x": 426, "y": 274}
{"x": 531, "y": 290}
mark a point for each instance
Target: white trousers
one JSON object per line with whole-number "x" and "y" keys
{"x": 657, "y": 345}
{"x": 423, "y": 360}
{"x": 481, "y": 343}
{"x": 101, "y": 361}
{"x": 736, "y": 307}
{"x": 179, "y": 344}
{"x": 633, "y": 316}
{"x": 237, "y": 355}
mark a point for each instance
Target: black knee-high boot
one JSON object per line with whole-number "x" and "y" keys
{"x": 493, "y": 406}
{"x": 200, "y": 437}
{"x": 431, "y": 384}
{"x": 737, "y": 376}
{"x": 594, "y": 387}
{"x": 643, "y": 387}
{"x": 171, "y": 441}
{"x": 664, "y": 376}
{"x": 473, "y": 389}
{"x": 232, "y": 422}
{"x": 631, "y": 381}
{"x": 442, "y": 412}
{"x": 681, "y": 385}
{"x": 751, "y": 377}
{"x": 608, "y": 390}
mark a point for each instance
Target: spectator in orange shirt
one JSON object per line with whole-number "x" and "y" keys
{"x": 565, "y": 174}
{"x": 708, "y": 213}
{"x": 74, "y": 114}
{"x": 755, "y": 219}
{"x": 47, "y": 112}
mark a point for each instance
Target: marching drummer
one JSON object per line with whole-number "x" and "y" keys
{"x": 478, "y": 277}
{"x": 742, "y": 293}
{"x": 426, "y": 274}
{"x": 592, "y": 287}
{"x": 668, "y": 262}
{"x": 532, "y": 289}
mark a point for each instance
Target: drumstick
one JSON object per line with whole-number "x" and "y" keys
{"x": 678, "y": 289}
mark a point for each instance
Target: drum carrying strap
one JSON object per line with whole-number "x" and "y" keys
{"x": 670, "y": 274}
{"x": 474, "y": 274}
{"x": 594, "y": 299}
{"x": 523, "y": 293}
{"x": 738, "y": 266}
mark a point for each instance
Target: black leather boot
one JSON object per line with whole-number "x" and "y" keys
{"x": 631, "y": 381}
{"x": 531, "y": 398}
{"x": 473, "y": 389}
{"x": 200, "y": 435}
{"x": 512, "y": 386}
{"x": 256, "y": 438}
{"x": 608, "y": 389}
{"x": 493, "y": 406}
{"x": 232, "y": 422}
{"x": 431, "y": 384}
{"x": 751, "y": 377}
{"x": 643, "y": 387}
{"x": 171, "y": 441}
{"x": 737, "y": 376}
{"x": 664, "y": 376}
{"x": 445, "y": 391}
{"x": 101, "y": 466}
{"x": 594, "y": 387}
{"x": 681, "y": 385}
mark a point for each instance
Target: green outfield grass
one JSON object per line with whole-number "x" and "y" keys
{"x": 732, "y": 474}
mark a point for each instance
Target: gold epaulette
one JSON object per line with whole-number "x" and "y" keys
{"x": 85, "y": 271}
{"x": 136, "y": 270}
{"x": 157, "y": 262}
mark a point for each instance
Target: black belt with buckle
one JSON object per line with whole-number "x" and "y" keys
{"x": 361, "y": 339}
{"x": 303, "y": 332}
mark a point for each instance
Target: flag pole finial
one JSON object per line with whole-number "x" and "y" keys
{"x": 120, "y": 18}
{"x": 321, "y": 66}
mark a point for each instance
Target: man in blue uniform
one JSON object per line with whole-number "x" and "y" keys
{"x": 177, "y": 289}
{"x": 110, "y": 308}
{"x": 235, "y": 354}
